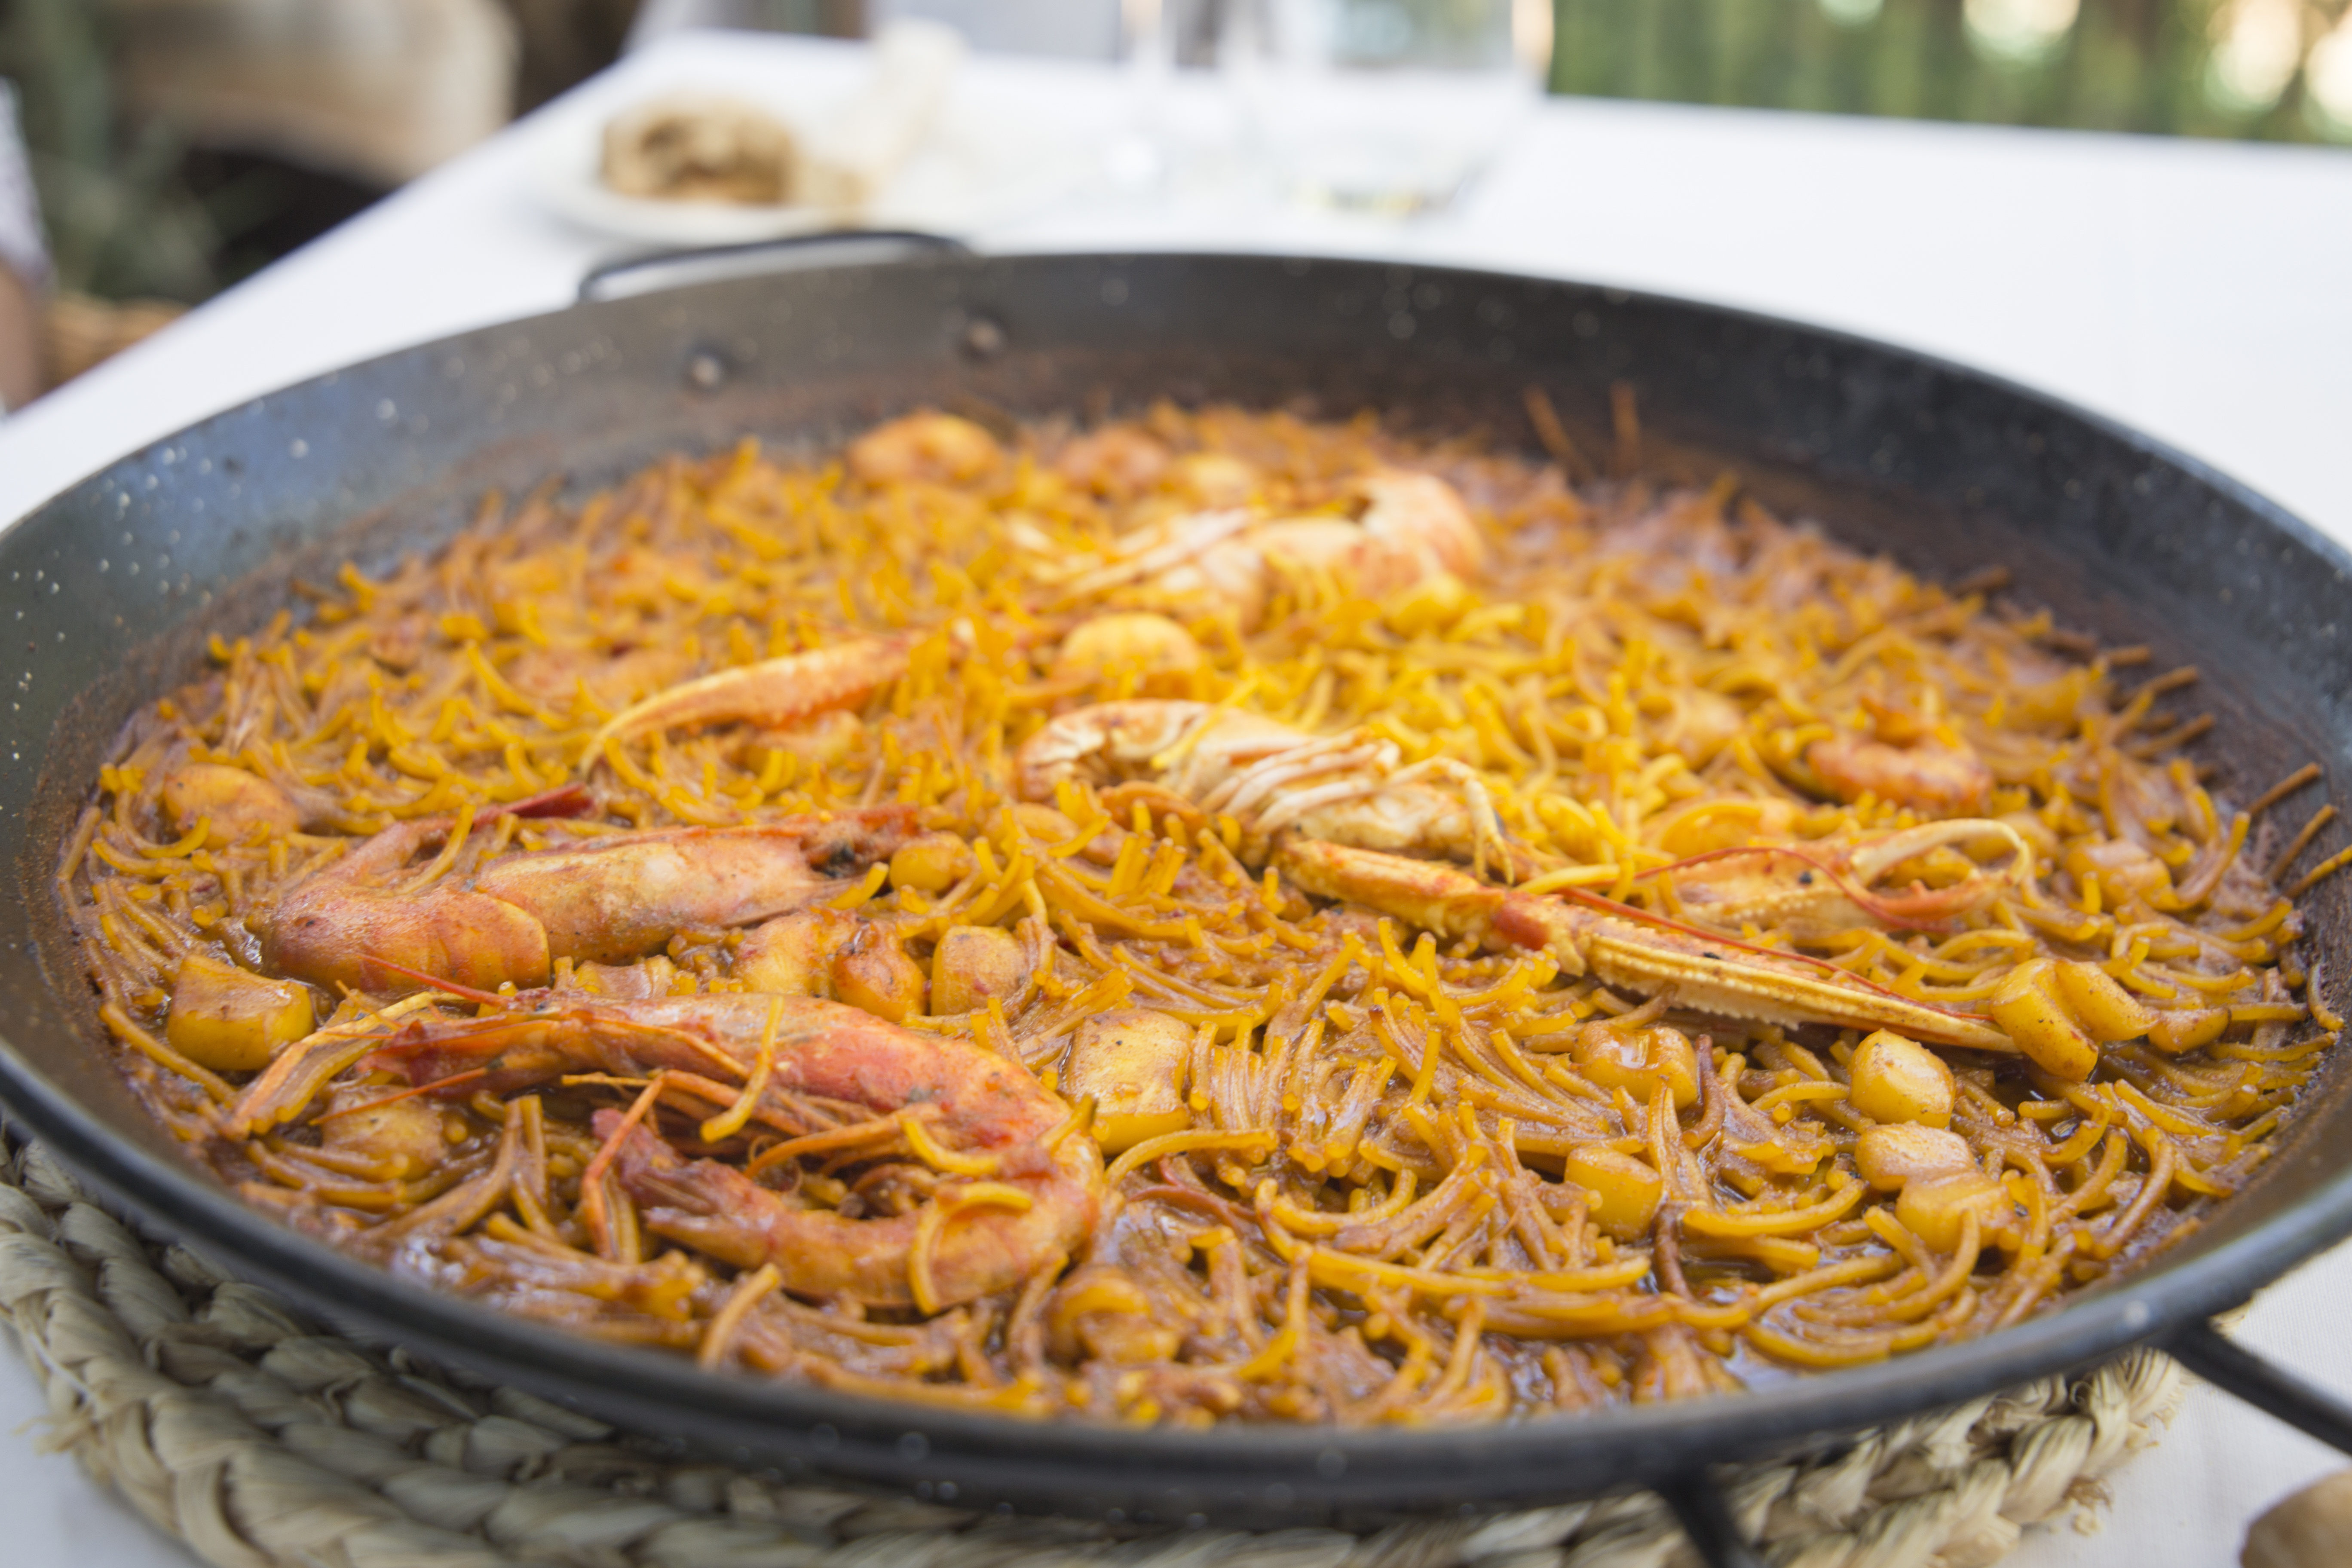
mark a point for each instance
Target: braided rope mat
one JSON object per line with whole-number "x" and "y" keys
{"x": 262, "y": 1443}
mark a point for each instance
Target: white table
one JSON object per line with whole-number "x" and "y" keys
{"x": 2194, "y": 290}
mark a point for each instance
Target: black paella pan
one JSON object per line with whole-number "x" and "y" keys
{"x": 110, "y": 592}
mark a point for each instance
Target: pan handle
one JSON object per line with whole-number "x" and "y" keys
{"x": 1698, "y": 1506}
{"x": 1715, "y": 1535}
{"x": 711, "y": 262}
{"x": 2264, "y": 1384}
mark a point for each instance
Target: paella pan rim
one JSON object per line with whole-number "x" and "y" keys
{"x": 1241, "y": 1473}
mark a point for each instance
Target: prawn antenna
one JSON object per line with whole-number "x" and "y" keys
{"x": 411, "y": 1092}
{"x": 466, "y": 993}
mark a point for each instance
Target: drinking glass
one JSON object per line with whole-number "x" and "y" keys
{"x": 1384, "y": 106}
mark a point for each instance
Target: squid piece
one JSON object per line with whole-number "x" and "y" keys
{"x": 230, "y": 1019}
{"x": 1132, "y": 1062}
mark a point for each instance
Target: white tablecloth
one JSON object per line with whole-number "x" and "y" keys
{"x": 2195, "y": 291}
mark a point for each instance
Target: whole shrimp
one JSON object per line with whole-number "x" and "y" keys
{"x": 1029, "y": 1199}
{"x": 370, "y": 922}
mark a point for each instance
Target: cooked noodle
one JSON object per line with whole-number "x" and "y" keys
{"x": 1361, "y": 1167}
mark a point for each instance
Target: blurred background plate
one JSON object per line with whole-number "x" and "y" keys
{"x": 979, "y": 166}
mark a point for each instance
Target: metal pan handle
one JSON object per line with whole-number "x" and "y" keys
{"x": 1698, "y": 1506}
{"x": 2264, "y": 1384}
{"x": 704, "y": 264}
{"x": 2201, "y": 1347}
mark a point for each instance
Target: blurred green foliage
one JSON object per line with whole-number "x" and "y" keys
{"x": 124, "y": 219}
{"x": 2241, "y": 68}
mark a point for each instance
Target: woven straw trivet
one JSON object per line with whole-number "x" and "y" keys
{"x": 236, "y": 1426}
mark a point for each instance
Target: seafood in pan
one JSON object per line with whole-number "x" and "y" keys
{"x": 1216, "y": 917}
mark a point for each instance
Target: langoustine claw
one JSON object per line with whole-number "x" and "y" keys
{"x": 1822, "y": 887}
{"x": 1038, "y": 1198}
{"x": 1627, "y": 947}
{"x": 364, "y": 922}
{"x": 774, "y": 691}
